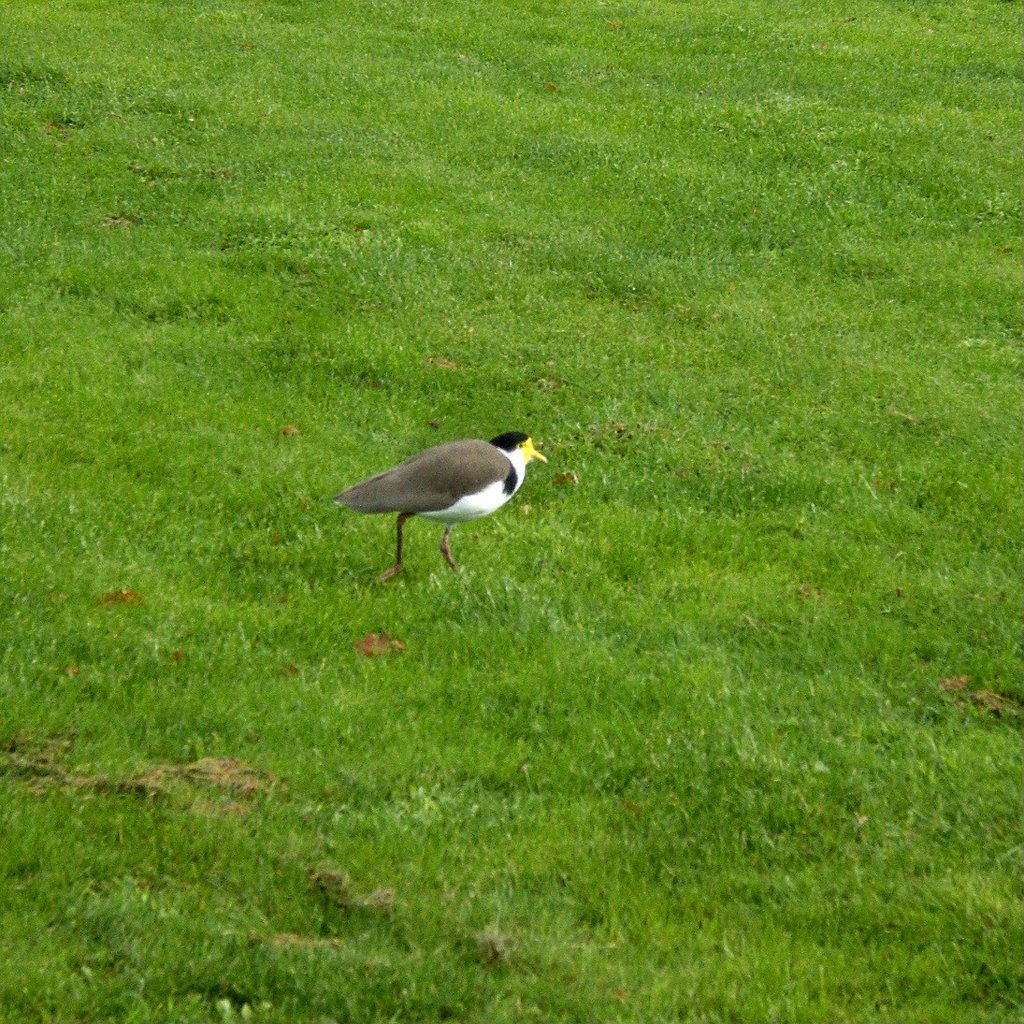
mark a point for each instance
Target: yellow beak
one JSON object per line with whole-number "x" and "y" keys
{"x": 530, "y": 452}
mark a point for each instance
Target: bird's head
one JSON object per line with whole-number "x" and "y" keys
{"x": 513, "y": 441}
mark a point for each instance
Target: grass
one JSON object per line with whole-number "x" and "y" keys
{"x": 727, "y": 729}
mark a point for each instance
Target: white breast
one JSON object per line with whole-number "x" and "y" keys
{"x": 484, "y": 502}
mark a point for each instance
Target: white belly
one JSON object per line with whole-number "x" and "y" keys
{"x": 472, "y": 506}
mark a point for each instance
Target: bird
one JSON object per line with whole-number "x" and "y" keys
{"x": 449, "y": 482}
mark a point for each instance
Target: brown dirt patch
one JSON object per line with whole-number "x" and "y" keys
{"x": 336, "y": 887}
{"x": 122, "y": 596}
{"x": 292, "y": 940}
{"x": 997, "y": 704}
{"x": 226, "y": 773}
{"x": 39, "y": 764}
{"x": 494, "y": 946}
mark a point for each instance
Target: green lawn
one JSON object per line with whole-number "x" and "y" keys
{"x": 721, "y": 722}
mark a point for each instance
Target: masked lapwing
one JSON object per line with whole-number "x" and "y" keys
{"x": 450, "y": 482}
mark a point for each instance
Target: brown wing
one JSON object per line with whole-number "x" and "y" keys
{"x": 431, "y": 481}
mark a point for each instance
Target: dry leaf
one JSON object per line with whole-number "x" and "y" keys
{"x": 561, "y": 479}
{"x": 524, "y": 510}
{"x": 289, "y": 430}
{"x": 177, "y": 656}
{"x": 551, "y": 87}
{"x": 615, "y": 25}
{"x": 72, "y": 670}
{"x": 446, "y": 364}
{"x": 378, "y": 643}
{"x": 122, "y": 597}
{"x": 956, "y": 683}
{"x": 434, "y": 424}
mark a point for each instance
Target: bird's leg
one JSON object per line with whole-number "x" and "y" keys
{"x": 397, "y": 567}
{"x": 447, "y": 551}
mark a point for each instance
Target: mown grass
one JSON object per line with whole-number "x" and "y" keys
{"x": 676, "y": 745}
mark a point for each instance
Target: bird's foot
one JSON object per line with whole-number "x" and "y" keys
{"x": 388, "y": 573}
